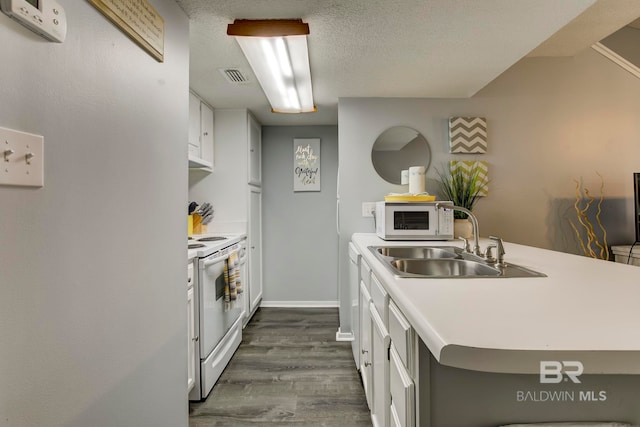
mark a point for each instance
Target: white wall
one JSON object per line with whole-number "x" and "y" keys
{"x": 550, "y": 120}
{"x": 92, "y": 266}
{"x": 299, "y": 228}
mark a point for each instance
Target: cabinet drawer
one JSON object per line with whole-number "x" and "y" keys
{"x": 365, "y": 273}
{"x": 190, "y": 275}
{"x": 380, "y": 299}
{"x": 402, "y": 335}
{"x": 401, "y": 388}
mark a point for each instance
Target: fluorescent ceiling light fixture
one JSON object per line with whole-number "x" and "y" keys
{"x": 277, "y": 52}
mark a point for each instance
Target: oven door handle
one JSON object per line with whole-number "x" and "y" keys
{"x": 215, "y": 260}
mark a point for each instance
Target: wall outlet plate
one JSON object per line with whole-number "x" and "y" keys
{"x": 21, "y": 158}
{"x": 368, "y": 208}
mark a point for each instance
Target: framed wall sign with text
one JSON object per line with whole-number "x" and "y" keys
{"x": 306, "y": 164}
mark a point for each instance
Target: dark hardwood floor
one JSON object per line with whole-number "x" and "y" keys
{"x": 288, "y": 371}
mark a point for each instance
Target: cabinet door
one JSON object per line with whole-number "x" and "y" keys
{"x": 206, "y": 130}
{"x": 194, "y": 126}
{"x": 255, "y": 246}
{"x": 191, "y": 349}
{"x": 255, "y": 151}
{"x": 380, "y": 370}
{"x": 402, "y": 336}
{"x": 354, "y": 290}
{"x": 365, "y": 341}
{"x": 402, "y": 407}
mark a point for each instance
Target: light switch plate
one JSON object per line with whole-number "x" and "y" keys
{"x": 21, "y": 158}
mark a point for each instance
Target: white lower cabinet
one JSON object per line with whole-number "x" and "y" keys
{"x": 402, "y": 369}
{"x": 401, "y": 388}
{"x": 255, "y": 248}
{"x": 354, "y": 293}
{"x": 388, "y": 355}
{"x": 380, "y": 342}
{"x": 365, "y": 341}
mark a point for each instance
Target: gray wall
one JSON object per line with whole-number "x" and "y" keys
{"x": 299, "y": 228}
{"x": 92, "y": 266}
{"x": 550, "y": 121}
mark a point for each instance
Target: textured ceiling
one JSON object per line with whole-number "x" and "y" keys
{"x": 378, "y": 48}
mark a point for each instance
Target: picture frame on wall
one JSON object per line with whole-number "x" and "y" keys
{"x": 467, "y": 135}
{"x": 468, "y": 167}
{"x": 306, "y": 164}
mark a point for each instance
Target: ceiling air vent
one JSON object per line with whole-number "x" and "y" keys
{"x": 234, "y": 75}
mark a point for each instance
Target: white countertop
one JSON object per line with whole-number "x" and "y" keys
{"x": 586, "y": 310}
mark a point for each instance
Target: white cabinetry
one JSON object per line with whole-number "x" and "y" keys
{"x": 254, "y": 179}
{"x": 364, "y": 339}
{"x": 255, "y": 247}
{"x": 402, "y": 405}
{"x": 365, "y": 342}
{"x": 402, "y": 368}
{"x": 380, "y": 374}
{"x": 192, "y": 340}
{"x": 234, "y": 189}
{"x": 388, "y": 356}
{"x": 354, "y": 290}
{"x": 255, "y": 152}
{"x": 200, "y": 134}
{"x": 194, "y": 126}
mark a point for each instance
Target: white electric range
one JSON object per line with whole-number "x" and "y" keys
{"x": 218, "y": 325}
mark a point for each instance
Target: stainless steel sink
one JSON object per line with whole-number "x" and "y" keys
{"x": 444, "y": 268}
{"x": 443, "y": 262}
{"x": 416, "y": 252}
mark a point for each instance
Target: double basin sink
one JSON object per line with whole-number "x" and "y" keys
{"x": 443, "y": 262}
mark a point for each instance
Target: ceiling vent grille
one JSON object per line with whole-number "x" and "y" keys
{"x": 234, "y": 75}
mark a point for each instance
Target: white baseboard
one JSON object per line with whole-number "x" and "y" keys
{"x": 300, "y": 304}
{"x": 344, "y": 336}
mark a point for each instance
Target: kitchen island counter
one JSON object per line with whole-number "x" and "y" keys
{"x": 585, "y": 309}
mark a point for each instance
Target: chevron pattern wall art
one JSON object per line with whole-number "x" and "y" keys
{"x": 468, "y": 135}
{"x": 467, "y": 167}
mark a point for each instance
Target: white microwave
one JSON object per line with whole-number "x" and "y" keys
{"x": 413, "y": 221}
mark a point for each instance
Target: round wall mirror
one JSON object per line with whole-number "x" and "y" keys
{"x": 398, "y": 148}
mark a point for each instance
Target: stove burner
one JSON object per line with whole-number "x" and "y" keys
{"x": 212, "y": 239}
{"x": 196, "y": 245}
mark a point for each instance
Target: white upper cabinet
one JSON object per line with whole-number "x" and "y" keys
{"x": 255, "y": 151}
{"x": 200, "y": 134}
{"x": 206, "y": 133}
{"x": 194, "y": 126}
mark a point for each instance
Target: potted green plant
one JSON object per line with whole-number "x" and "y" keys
{"x": 463, "y": 188}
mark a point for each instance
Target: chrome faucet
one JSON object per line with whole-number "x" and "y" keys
{"x": 474, "y": 222}
{"x": 499, "y": 247}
